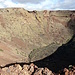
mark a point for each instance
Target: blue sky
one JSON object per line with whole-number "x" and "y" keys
{"x": 39, "y": 4}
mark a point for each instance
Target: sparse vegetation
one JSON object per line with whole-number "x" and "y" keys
{"x": 1, "y": 50}
{"x": 17, "y": 51}
{"x": 33, "y": 53}
{"x": 23, "y": 54}
{"x": 34, "y": 49}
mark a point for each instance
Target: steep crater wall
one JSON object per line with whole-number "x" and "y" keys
{"x": 27, "y": 36}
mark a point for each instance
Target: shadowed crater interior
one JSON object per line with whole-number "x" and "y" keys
{"x": 63, "y": 57}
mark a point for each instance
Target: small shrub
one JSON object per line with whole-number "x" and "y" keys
{"x": 1, "y": 50}
{"x": 34, "y": 49}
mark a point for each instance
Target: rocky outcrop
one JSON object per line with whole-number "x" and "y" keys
{"x": 32, "y": 69}
{"x": 25, "y": 70}
{"x": 27, "y": 36}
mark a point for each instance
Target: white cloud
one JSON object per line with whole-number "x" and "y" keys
{"x": 1, "y": 6}
{"x": 66, "y": 4}
{"x": 1, "y": 0}
{"x": 39, "y": 4}
{"x": 28, "y": 1}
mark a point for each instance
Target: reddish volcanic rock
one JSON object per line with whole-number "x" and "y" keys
{"x": 25, "y": 70}
{"x": 31, "y": 70}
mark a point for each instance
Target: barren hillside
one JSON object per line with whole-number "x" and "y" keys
{"x": 32, "y": 35}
